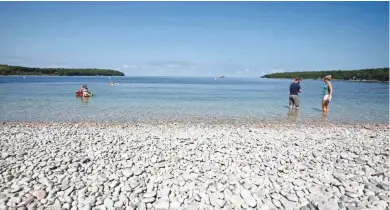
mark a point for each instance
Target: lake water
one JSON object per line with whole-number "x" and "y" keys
{"x": 135, "y": 99}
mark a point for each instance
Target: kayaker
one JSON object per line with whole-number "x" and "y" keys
{"x": 84, "y": 90}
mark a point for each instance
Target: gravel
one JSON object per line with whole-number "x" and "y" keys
{"x": 194, "y": 166}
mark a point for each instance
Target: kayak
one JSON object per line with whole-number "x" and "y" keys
{"x": 79, "y": 93}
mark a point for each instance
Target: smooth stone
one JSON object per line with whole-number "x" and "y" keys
{"x": 141, "y": 206}
{"x": 148, "y": 200}
{"x": 298, "y": 182}
{"x": 304, "y": 208}
{"x": 69, "y": 190}
{"x": 316, "y": 154}
{"x": 300, "y": 194}
{"x": 192, "y": 206}
{"x": 292, "y": 198}
{"x": 68, "y": 199}
{"x": 90, "y": 200}
{"x": 94, "y": 189}
{"x": 276, "y": 203}
{"x": 352, "y": 194}
{"x": 102, "y": 177}
{"x": 16, "y": 189}
{"x": 150, "y": 194}
{"x": 40, "y": 194}
{"x": 213, "y": 200}
{"x": 137, "y": 171}
{"x": 118, "y": 204}
{"x": 373, "y": 198}
{"x": 114, "y": 184}
{"x": 161, "y": 204}
{"x": 175, "y": 204}
{"x": 72, "y": 170}
{"x": 10, "y": 178}
{"x": 127, "y": 172}
{"x": 108, "y": 203}
{"x": 248, "y": 198}
{"x": 4, "y": 198}
{"x": 86, "y": 207}
{"x": 134, "y": 184}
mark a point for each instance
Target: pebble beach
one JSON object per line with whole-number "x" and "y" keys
{"x": 193, "y": 166}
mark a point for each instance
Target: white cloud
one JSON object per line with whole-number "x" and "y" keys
{"x": 172, "y": 66}
{"x": 57, "y": 66}
{"x": 129, "y": 66}
{"x": 276, "y": 70}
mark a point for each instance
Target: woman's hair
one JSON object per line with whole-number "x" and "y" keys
{"x": 328, "y": 77}
{"x": 84, "y": 85}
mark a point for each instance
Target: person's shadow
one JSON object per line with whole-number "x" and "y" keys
{"x": 317, "y": 109}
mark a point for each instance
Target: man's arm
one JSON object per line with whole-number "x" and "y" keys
{"x": 299, "y": 88}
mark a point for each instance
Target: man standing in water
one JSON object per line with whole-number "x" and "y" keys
{"x": 295, "y": 88}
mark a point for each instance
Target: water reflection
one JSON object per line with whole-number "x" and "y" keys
{"x": 324, "y": 116}
{"x": 293, "y": 115}
{"x": 85, "y": 100}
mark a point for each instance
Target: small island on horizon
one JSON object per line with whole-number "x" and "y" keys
{"x": 374, "y": 74}
{"x": 21, "y": 70}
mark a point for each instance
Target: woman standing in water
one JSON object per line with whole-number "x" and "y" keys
{"x": 328, "y": 91}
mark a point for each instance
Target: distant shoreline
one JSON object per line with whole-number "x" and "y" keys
{"x": 54, "y": 75}
{"x": 361, "y": 75}
{"x": 378, "y": 81}
{"x": 8, "y": 70}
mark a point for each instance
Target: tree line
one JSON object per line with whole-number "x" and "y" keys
{"x": 378, "y": 74}
{"x": 21, "y": 70}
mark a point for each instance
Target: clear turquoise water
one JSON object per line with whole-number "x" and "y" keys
{"x": 52, "y": 99}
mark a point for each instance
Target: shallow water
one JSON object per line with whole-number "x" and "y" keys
{"x": 52, "y": 99}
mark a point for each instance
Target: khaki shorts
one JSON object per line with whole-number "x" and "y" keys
{"x": 294, "y": 100}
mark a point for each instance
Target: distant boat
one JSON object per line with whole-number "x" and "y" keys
{"x": 222, "y": 77}
{"x": 109, "y": 77}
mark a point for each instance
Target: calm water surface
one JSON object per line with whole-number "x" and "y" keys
{"x": 52, "y": 99}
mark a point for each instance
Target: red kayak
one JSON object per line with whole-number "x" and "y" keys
{"x": 79, "y": 93}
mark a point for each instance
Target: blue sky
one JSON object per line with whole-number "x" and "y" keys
{"x": 247, "y": 39}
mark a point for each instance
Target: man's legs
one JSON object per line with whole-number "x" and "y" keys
{"x": 296, "y": 101}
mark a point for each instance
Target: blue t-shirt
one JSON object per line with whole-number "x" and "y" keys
{"x": 294, "y": 87}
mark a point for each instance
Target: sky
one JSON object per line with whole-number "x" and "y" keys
{"x": 243, "y": 39}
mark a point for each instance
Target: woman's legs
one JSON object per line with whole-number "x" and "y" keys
{"x": 327, "y": 105}
{"x": 323, "y": 106}
{"x": 324, "y": 115}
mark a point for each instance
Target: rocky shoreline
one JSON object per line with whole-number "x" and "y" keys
{"x": 194, "y": 166}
